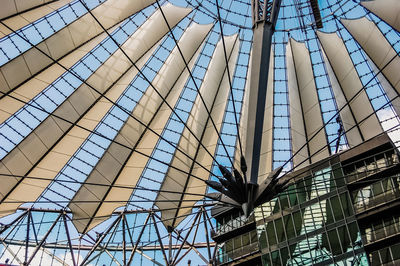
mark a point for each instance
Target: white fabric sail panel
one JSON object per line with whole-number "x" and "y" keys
{"x": 131, "y": 172}
{"x": 387, "y": 87}
{"x": 297, "y": 130}
{"x": 346, "y": 74}
{"x": 138, "y": 44}
{"x": 387, "y": 10}
{"x": 268, "y": 126}
{"x": 21, "y": 20}
{"x": 31, "y": 88}
{"x": 135, "y": 165}
{"x": 313, "y": 121}
{"x": 243, "y": 118}
{"x": 195, "y": 187}
{"x": 33, "y": 147}
{"x": 58, "y": 156}
{"x": 109, "y": 167}
{"x": 138, "y": 160}
{"x": 67, "y": 39}
{"x": 377, "y": 47}
{"x": 215, "y": 95}
{"x": 353, "y": 135}
{"x": 12, "y": 7}
{"x": 163, "y": 82}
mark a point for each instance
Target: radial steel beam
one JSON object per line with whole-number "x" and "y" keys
{"x": 114, "y": 248}
{"x": 98, "y": 246}
{"x": 54, "y": 257}
{"x": 13, "y": 222}
{"x": 7, "y": 247}
{"x": 71, "y": 250}
{"x": 27, "y": 238}
{"x": 170, "y": 258}
{"x": 138, "y": 239}
{"x": 100, "y": 239}
{"x": 148, "y": 257}
{"x": 190, "y": 245}
{"x": 123, "y": 240}
{"x": 27, "y": 262}
{"x": 207, "y": 237}
{"x": 160, "y": 240}
{"x": 184, "y": 240}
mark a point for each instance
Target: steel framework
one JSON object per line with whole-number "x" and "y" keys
{"x": 186, "y": 240}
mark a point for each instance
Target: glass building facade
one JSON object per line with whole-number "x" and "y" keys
{"x": 339, "y": 211}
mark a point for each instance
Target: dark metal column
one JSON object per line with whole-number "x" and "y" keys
{"x": 265, "y": 15}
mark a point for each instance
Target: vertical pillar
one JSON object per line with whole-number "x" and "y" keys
{"x": 262, "y": 39}
{"x": 265, "y": 14}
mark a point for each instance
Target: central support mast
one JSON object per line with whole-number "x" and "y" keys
{"x": 245, "y": 192}
{"x": 264, "y": 15}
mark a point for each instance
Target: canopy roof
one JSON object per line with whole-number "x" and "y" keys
{"x": 120, "y": 106}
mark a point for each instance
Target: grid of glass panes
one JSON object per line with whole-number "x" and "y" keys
{"x": 238, "y": 246}
{"x": 381, "y": 228}
{"x": 386, "y": 256}
{"x": 311, "y": 222}
{"x": 22, "y": 39}
{"x": 281, "y": 130}
{"x": 232, "y": 221}
{"x": 304, "y": 231}
{"x": 318, "y": 249}
{"x": 370, "y": 165}
{"x": 377, "y": 193}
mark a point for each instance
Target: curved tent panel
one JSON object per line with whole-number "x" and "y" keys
{"x": 347, "y": 119}
{"x": 30, "y": 89}
{"x": 30, "y": 14}
{"x": 310, "y": 104}
{"x": 374, "y": 43}
{"x": 56, "y": 146}
{"x": 307, "y": 107}
{"x": 147, "y": 113}
{"x": 61, "y": 43}
{"x": 23, "y": 158}
{"x": 300, "y": 151}
{"x": 214, "y": 90}
{"x": 13, "y": 7}
{"x": 266, "y": 152}
{"x": 387, "y": 10}
{"x": 358, "y": 123}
